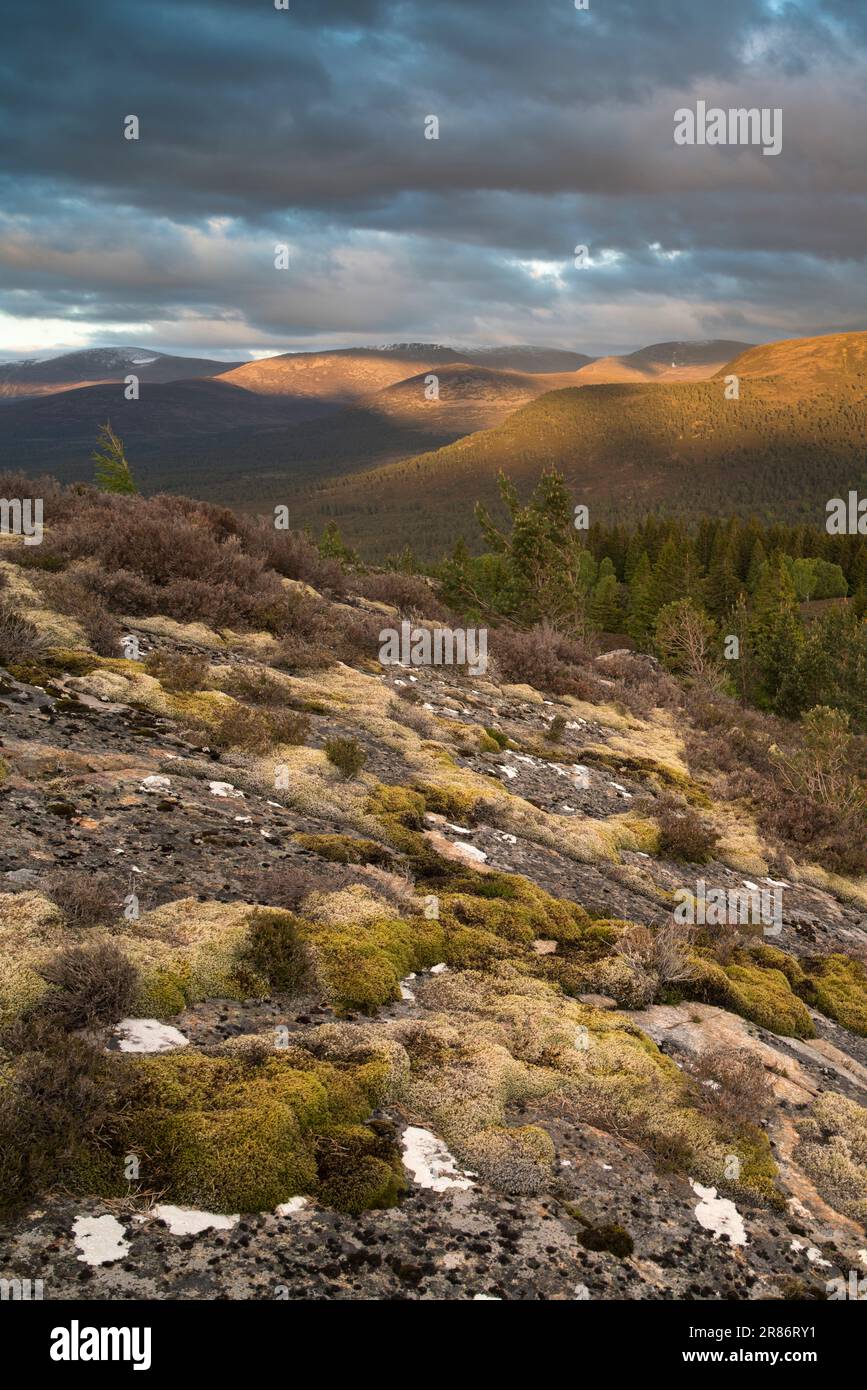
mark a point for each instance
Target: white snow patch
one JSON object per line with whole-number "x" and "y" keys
{"x": 292, "y": 1207}
{"x": 148, "y": 1035}
{"x": 486, "y": 1298}
{"x": 581, "y": 776}
{"x": 753, "y": 887}
{"x": 187, "y": 1221}
{"x": 469, "y": 851}
{"x": 582, "y": 1293}
{"x": 224, "y": 789}
{"x": 509, "y": 772}
{"x": 100, "y": 1239}
{"x": 243, "y": 820}
{"x": 813, "y": 1255}
{"x": 439, "y": 969}
{"x": 430, "y": 1162}
{"x": 458, "y": 829}
{"x": 719, "y": 1215}
{"x": 156, "y": 784}
{"x": 406, "y": 993}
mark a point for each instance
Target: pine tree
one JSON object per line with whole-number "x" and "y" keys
{"x": 606, "y": 612}
{"x": 112, "y": 473}
{"x": 639, "y": 621}
{"x": 722, "y": 585}
{"x": 757, "y": 565}
{"x": 776, "y": 636}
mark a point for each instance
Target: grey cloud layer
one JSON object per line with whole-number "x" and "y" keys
{"x": 306, "y": 127}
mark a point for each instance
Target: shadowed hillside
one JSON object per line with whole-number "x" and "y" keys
{"x": 793, "y": 439}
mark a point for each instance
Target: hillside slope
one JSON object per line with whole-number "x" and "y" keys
{"x": 71, "y": 370}
{"x": 412, "y": 1026}
{"x": 792, "y": 440}
{"x": 678, "y": 361}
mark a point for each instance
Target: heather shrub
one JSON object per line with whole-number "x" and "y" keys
{"x": 683, "y": 833}
{"x": 275, "y": 951}
{"x": 236, "y": 726}
{"x": 288, "y": 726}
{"x": 89, "y": 985}
{"x": 347, "y": 755}
{"x": 409, "y": 593}
{"x": 544, "y": 658}
{"x": 68, "y": 593}
{"x": 61, "y": 1102}
{"x": 287, "y": 884}
{"x": 20, "y": 640}
{"x": 85, "y": 899}
{"x": 734, "y": 1084}
{"x": 295, "y": 557}
{"x": 178, "y": 672}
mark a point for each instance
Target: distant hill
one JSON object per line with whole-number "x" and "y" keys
{"x": 73, "y": 370}
{"x": 347, "y": 375}
{"x": 793, "y": 439}
{"x": 796, "y": 367}
{"x": 56, "y": 432}
{"x": 257, "y": 418}
{"x": 663, "y": 362}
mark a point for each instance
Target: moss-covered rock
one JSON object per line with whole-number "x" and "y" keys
{"x": 763, "y": 995}
{"x": 229, "y": 1135}
{"x": 518, "y": 1160}
{"x": 345, "y": 849}
{"x": 840, "y": 988}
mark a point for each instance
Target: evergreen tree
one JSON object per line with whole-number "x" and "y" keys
{"x": 639, "y": 620}
{"x": 776, "y": 637}
{"x": 112, "y": 472}
{"x": 722, "y": 585}
{"x": 606, "y": 610}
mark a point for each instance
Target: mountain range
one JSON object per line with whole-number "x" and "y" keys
{"x": 378, "y": 438}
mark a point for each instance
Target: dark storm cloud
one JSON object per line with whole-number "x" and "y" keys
{"x": 306, "y": 126}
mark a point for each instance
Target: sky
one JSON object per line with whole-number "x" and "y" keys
{"x": 304, "y": 127}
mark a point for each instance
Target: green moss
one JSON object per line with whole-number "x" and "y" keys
{"x": 840, "y": 985}
{"x": 510, "y": 920}
{"x": 451, "y": 800}
{"x": 764, "y": 996}
{"x": 771, "y": 957}
{"x": 360, "y": 965}
{"x": 469, "y": 948}
{"x": 163, "y": 991}
{"x": 58, "y": 661}
{"x": 498, "y": 737}
{"x": 488, "y": 744}
{"x": 218, "y": 1132}
{"x": 613, "y": 1239}
{"x": 517, "y": 1160}
{"x": 4, "y": 769}
{"x": 358, "y": 1169}
{"x": 344, "y": 849}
